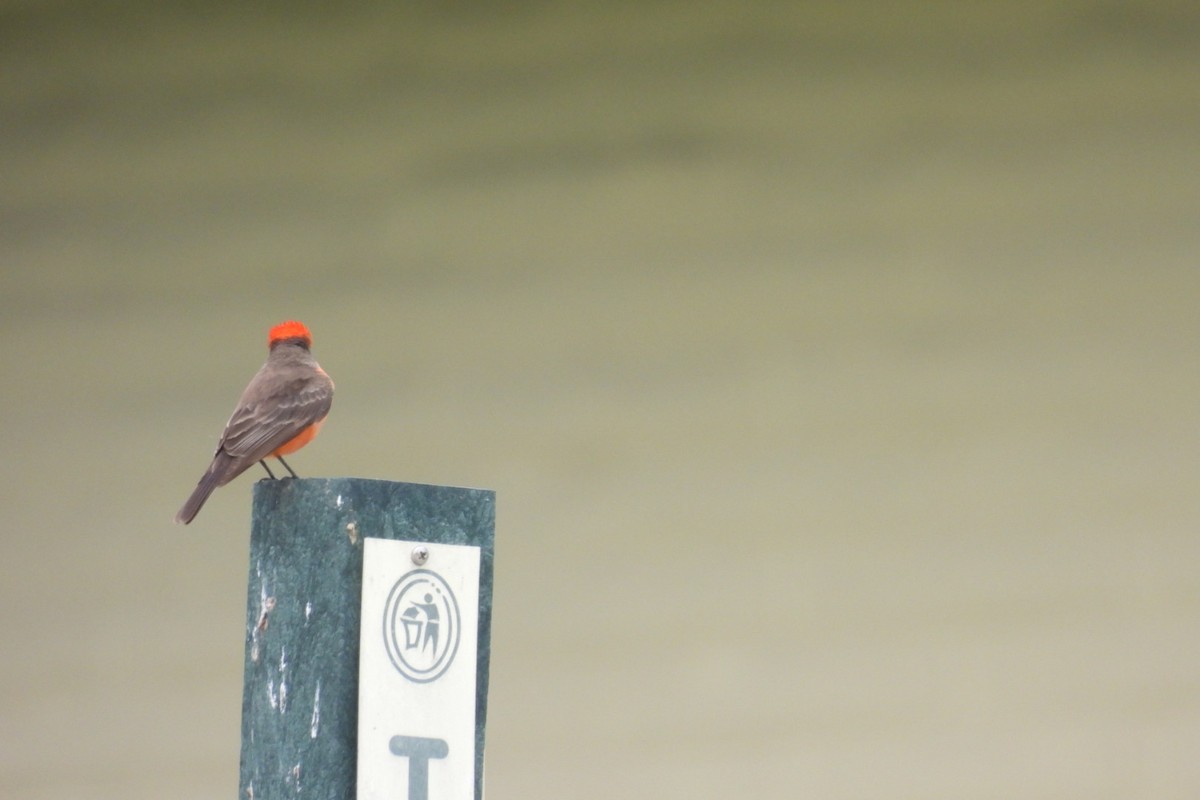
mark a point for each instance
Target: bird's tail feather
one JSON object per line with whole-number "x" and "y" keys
{"x": 210, "y": 481}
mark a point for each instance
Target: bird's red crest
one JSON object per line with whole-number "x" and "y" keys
{"x": 289, "y": 330}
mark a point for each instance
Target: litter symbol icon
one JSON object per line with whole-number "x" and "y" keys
{"x": 421, "y": 626}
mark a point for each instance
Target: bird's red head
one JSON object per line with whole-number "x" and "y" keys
{"x": 289, "y": 330}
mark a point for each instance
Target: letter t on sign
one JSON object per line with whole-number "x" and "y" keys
{"x": 418, "y": 751}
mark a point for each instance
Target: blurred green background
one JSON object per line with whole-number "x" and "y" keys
{"x": 835, "y": 365}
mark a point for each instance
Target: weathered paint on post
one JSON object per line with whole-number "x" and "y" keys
{"x": 300, "y": 698}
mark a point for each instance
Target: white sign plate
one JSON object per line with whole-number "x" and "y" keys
{"x": 416, "y": 671}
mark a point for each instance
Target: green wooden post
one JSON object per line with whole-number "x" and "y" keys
{"x": 300, "y": 699}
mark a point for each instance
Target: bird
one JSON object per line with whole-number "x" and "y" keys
{"x": 280, "y": 411}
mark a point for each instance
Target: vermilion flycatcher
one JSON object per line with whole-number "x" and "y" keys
{"x": 280, "y": 412}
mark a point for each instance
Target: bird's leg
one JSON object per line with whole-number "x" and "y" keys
{"x": 285, "y": 466}
{"x": 263, "y": 461}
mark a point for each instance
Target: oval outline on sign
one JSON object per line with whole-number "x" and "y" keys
{"x": 435, "y": 623}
